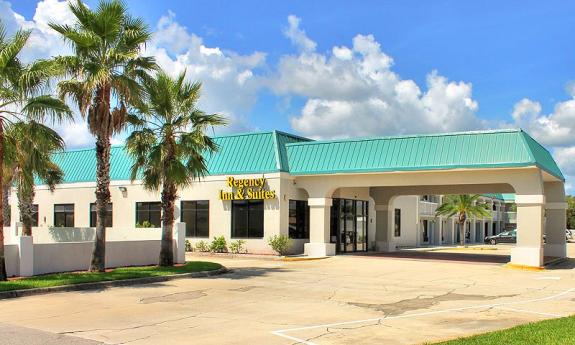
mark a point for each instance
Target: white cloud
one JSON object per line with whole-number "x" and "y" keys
{"x": 76, "y": 134}
{"x": 298, "y": 36}
{"x": 356, "y": 86}
{"x": 43, "y": 42}
{"x": 230, "y": 84}
{"x": 565, "y": 157}
{"x": 554, "y": 129}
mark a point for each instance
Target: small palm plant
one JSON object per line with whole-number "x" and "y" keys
{"x": 168, "y": 144}
{"x": 104, "y": 80}
{"x": 28, "y": 155}
{"x": 22, "y": 98}
{"x": 464, "y": 207}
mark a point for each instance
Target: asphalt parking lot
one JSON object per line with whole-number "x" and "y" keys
{"x": 340, "y": 300}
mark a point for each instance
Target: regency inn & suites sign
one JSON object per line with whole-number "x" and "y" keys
{"x": 247, "y": 189}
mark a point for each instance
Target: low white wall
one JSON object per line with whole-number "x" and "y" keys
{"x": 59, "y": 253}
{"x": 10, "y": 236}
{"x": 75, "y": 256}
{"x": 58, "y": 235}
{"x": 12, "y": 258}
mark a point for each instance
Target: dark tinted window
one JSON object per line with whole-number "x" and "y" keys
{"x": 108, "y": 222}
{"x": 8, "y": 219}
{"x": 196, "y": 215}
{"x": 148, "y": 213}
{"x": 35, "y": 215}
{"x": 248, "y": 218}
{"x": 64, "y": 215}
{"x": 397, "y": 222}
{"x": 298, "y": 219}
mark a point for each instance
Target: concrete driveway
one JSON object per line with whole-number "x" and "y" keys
{"x": 340, "y": 300}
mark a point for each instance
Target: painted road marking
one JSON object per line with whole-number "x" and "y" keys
{"x": 281, "y": 332}
{"x": 547, "y": 278}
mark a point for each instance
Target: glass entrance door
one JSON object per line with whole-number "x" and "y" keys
{"x": 349, "y": 225}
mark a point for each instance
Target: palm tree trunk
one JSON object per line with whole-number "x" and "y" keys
{"x": 6, "y": 199}
{"x": 25, "y": 200}
{"x": 3, "y": 274}
{"x": 102, "y": 199}
{"x": 169, "y": 194}
{"x": 462, "y": 233}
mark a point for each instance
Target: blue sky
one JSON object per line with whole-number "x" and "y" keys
{"x": 378, "y": 67}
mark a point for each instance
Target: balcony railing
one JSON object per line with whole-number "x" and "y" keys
{"x": 427, "y": 208}
{"x": 510, "y": 217}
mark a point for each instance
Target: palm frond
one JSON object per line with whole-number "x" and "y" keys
{"x": 47, "y": 107}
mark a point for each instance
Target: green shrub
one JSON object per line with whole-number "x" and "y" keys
{"x": 219, "y": 245}
{"x": 189, "y": 246}
{"x": 280, "y": 243}
{"x": 237, "y": 247}
{"x": 202, "y": 246}
{"x": 144, "y": 224}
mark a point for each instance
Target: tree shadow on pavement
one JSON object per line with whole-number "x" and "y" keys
{"x": 238, "y": 273}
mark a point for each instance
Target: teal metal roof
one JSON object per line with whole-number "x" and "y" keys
{"x": 507, "y": 197}
{"x": 482, "y": 149}
{"x": 266, "y": 152}
{"x": 261, "y": 152}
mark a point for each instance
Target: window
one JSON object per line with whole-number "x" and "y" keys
{"x": 247, "y": 218}
{"x": 107, "y": 222}
{"x": 148, "y": 214}
{"x": 298, "y": 219}
{"x": 8, "y": 219}
{"x": 35, "y": 215}
{"x": 397, "y": 230}
{"x": 64, "y": 215}
{"x": 196, "y": 215}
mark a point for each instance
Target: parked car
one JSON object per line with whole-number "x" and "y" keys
{"x": 504, "y": 237}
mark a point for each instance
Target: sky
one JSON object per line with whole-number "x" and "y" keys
{"x": 337, "y": 69}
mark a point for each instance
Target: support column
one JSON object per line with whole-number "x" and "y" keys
{"x": 437, "y": 224}
{"x": 472, "y": 231}
{"x": 319, "y": 235}
{"x": 555, "y": 220}
{"x": 530, "y": 224}
{"x": 384, "y": 226}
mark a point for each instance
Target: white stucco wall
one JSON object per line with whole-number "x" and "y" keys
{"x": 124, "y": 208}
{"x": 409, "y": 220}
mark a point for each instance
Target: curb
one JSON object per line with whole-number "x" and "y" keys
{"x": 524, "y": 268}
{"x": 304, "y": 258}
{"x": 109, "y": 283}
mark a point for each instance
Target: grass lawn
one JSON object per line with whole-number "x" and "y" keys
{"x": 57, "y": 279}
{"x": 549, "y": 332}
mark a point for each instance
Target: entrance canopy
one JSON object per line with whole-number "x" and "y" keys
{"x": 466, "y": 150}
{"x": 500, "y": 161}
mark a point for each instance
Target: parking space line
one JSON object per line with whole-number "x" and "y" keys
{"x": 281, "y": 332}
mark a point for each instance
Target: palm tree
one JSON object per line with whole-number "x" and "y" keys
{"x": 105, "y": 70}
{"x": 464, "y": 206}
{"x": 28, "y": 155}
{"x": 168, "y": 144}
{"x": 22, "y": 99}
